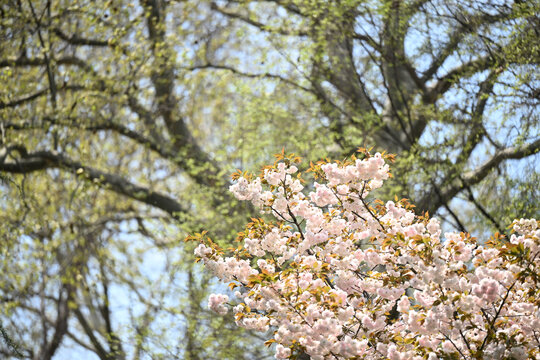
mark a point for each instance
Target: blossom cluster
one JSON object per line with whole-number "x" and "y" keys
{"x": 338, "y": 275}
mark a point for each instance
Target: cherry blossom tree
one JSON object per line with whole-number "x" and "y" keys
{"x": 338, "y": 275}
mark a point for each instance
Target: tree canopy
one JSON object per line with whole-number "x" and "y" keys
{"x": 121, "y": 120}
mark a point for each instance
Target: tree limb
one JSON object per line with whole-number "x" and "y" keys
{"x": 446, "y": 82}
{"x": 99, "y": 349}
{"x": 249, "y": 75}
{"x": 27, "y": 62}
{"x": 22, "y": 100}
{"x": 36, "y": 95}
{"x": 60, "y": 325}
{"x": 205, "y": 170}
{"x": 257, "y": 24}
{"x": 476, "y": 125}
{"x": 470, "y": 26}
{"x": 42, "y": 160}
{"x": 515, "y": 152}
{"x": 431, "y": 203}
{"x": 76, "y": 40}
{"x": 484, "y": 212}
{"x": 115, "y": 344}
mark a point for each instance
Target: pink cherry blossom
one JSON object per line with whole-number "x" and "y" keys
{"x": 336, "y": 275}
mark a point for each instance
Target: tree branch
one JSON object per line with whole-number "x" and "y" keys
{"x": 484, "y": 212}
{"x": 444, "y": 83}
{"x": 515, "y": 152}
{"x": 478, "y": 131}
{"x": 60, "y": 325}
{"x": 36, "y": 95}
{"x": 42, "y": 160}
{"x": 110, "y": 125}
{"x": 457, "y": 36}
{"x": 249, "y": 75}
{"x": 76, "y": 40}
{"x": 27, "y": 62}
{"x": 99, "y": 349}
{"x": 104, "y": 126}
{"x": 22, "y": 100}
{"x": 257, "y": 24}
{"x": 115, "y": 344}
{"x": 431, "y": 203}
{"x": 205, "y": 170}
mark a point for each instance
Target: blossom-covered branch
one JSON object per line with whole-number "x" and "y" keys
{"x": 339, "y": 276}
